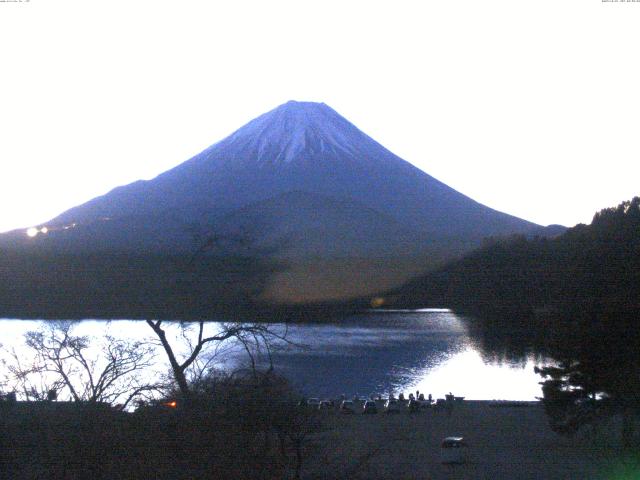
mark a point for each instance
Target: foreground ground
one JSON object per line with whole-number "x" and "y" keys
{"x": 42, "y": 440}
{"x": 505, "y": 442}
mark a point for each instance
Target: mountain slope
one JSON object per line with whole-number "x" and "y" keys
{"x": 293, "y": 224}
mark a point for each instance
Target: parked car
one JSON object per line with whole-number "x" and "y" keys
{"x": 347, "y": 406}
{"x": 454, "y": 450}
{"x": 391, "y": 406}
{"x": 313, "y": 402}
{"x": 370, "y": 407}
{"x": 325, "y": 405}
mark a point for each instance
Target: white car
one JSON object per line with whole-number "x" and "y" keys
{"x": 370, "y": 407}
{"x": 454, "y": 450}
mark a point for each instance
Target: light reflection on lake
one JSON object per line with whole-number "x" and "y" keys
{"x": 374, "y": 352}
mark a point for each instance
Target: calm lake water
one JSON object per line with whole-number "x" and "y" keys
{"x": 377, "y": 352}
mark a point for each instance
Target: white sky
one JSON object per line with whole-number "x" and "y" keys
{"x": 531, "y": 107}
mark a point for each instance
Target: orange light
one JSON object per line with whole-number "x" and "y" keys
{"x": 377, "y": 302}
{"x": 172, "y": 404}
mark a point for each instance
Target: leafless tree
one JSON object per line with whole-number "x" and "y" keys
{"x": 65, "y": 363}
{"x": 203, "y": 337}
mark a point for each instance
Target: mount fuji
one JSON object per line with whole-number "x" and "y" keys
{"x": 346, "y": 216}
{"x": 304, "y": 147}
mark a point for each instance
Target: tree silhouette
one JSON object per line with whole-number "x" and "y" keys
{"x": 253, "y": 337}
{"x": 69, "y": 365}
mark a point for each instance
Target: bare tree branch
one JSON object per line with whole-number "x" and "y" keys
{"x": 252, "y": 337}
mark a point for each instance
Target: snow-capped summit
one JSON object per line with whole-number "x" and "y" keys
{"x": 294, "y": 132}
{"x": 296, "y": 128}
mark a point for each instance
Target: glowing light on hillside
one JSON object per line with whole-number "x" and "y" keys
{"x": 44, "y": 230}
{"x": 32, "y": 232}
{"x": 377, "y": 302}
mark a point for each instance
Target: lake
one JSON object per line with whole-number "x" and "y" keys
{"x": 376, "y": 352}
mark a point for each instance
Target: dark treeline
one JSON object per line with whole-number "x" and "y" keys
{"x": 50, "y": 285}
{"x": 574, "y": 298}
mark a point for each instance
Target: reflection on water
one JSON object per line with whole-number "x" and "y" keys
{"x": 400, "y": 351}
{"x": 374, "y": 352}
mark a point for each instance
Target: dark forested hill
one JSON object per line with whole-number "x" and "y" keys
{"x": 587, "y": 265}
